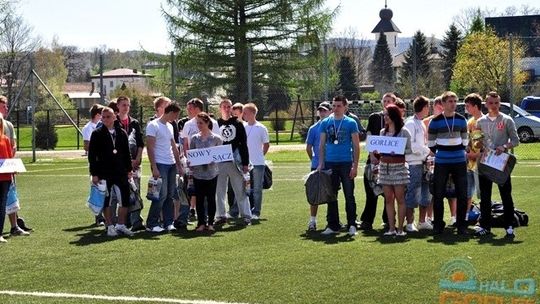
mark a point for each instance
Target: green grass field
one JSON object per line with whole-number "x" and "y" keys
{"x": 274, "y": 261}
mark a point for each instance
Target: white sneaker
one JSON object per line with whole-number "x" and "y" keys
{"x": 124, "y": 230}
{"x": 411, "y": 228}
{"x": 312, "y": 226}
{"x": 352, "y": 231}
{"x": 255, "y": 217}
{"x": 171, "y": 228}
{"x": 329, "y": 231}
{"x": 401, "y": 233}
{"x": 390, "y": 232}
{"x": 155, "y": 229}
{"x": 111, "y": 231}
{"x": 425, "y": 226}
{"x": 2, "y": 239}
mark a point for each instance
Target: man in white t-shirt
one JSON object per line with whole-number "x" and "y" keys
{"x": 165, "y": 163}
{"x": 194, "y": 107}
{"x": 95, "y": 117}
{"x": 258, "y": 143}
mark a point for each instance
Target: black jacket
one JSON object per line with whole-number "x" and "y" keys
{"x": 103, "y": 162}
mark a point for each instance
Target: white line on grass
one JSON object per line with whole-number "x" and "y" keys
{"x": 107, "y": 298}
{"x": 57, "y": 169}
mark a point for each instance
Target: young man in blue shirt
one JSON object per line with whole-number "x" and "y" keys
{"x": 339, "y": 150}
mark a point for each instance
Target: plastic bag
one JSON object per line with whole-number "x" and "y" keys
{"x": 96, "y": 199}
{"x": 12, "y": 204}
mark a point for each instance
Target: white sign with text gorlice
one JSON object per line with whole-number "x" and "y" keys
{"x": 386, "y": 144}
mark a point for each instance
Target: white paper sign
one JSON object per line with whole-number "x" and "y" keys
{"x": 386, "y": 144}
{"x": 205, "y": 156}
{"x": 498, "y": 162}
{"x": 11, "y": 165}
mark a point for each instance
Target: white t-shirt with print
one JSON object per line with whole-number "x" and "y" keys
{"x": 163, "y": 134}
{"x": 257, "y": 135}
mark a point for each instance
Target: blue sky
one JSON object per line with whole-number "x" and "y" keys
{"x": 132, "y": 24}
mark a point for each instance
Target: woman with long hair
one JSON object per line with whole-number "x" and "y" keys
{"x": 394, "y": 172}
{"x": 5, "y": 178}
{"x": 205, "y": 176}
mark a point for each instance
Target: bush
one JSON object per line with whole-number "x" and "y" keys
{"x": 278, "y": 123}
{"x": 46, "y": 137}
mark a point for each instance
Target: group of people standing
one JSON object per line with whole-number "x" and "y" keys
{"x": 439, "y": 145}
{"x": 115, "y": 149}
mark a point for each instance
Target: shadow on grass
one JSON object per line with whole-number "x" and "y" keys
{"x": 80, "y": 228}
{"x": 99, "y": 236}
{"x": 491, "y": 240}
{"x": 316, "y": 236}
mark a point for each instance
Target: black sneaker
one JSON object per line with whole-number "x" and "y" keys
{"x": 22, "y": 224}
{"x": 365, "y": 226}
{"x": 482, "y": 232}
{"x": 438, "y": 229}
{"x": 220, "y": 221}
{"x": 138, "y": 227}
{"x": 192, "y": 215}
{"x": 462, "y": 231}
{"x": 16, "y": 231}
{"x": 100, "y": 221}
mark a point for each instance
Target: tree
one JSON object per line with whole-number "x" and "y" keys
{"x": 347, "y": 79}
{"x": 477, "y": 24}
{"x": 381, "y": 71}
{"x": 357, "y": 50}
{"x": 16, "y": 46}
{"x": 417, "y": 57}
{"x": 482, "y": 64}
{"x": 450, "y": 45}
{"x": 213, "y": 38}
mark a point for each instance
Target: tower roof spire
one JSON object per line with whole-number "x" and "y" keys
{"x": 386, "y": 25}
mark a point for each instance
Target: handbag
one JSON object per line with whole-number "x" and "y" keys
{"x": 267, "y": 178}
{"x": 497, "y": 176}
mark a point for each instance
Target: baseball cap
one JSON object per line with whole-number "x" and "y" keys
{"x": 325, "y": 106}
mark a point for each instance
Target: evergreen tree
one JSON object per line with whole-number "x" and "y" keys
{"x": 450, "y": 46}
{"x": 477, "y": 25}
{"x": 419, "y": 50}
{"x": 381, "y": 71}
{"x": 347, "y": 78}
{"x": 212, "y": 39}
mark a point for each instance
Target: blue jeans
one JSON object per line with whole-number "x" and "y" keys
{"x": 418, "y": 188}
{"x": 166, "y": 195}
{"x": 340, "y": 173}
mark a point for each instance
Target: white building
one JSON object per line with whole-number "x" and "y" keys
{"x": 128, "y": 77}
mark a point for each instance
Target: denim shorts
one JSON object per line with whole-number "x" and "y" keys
{"x": 418, "y": 188}
{"x": 471, "y": 185}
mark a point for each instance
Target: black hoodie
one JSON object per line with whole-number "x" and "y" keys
{"x": 233, "y": 132}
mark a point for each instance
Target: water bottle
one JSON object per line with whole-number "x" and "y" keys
{"x": 247, "y": 183}
{"x": 154, "y": 187}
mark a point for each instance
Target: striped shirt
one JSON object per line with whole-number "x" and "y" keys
{"x": 447, "y": 138}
